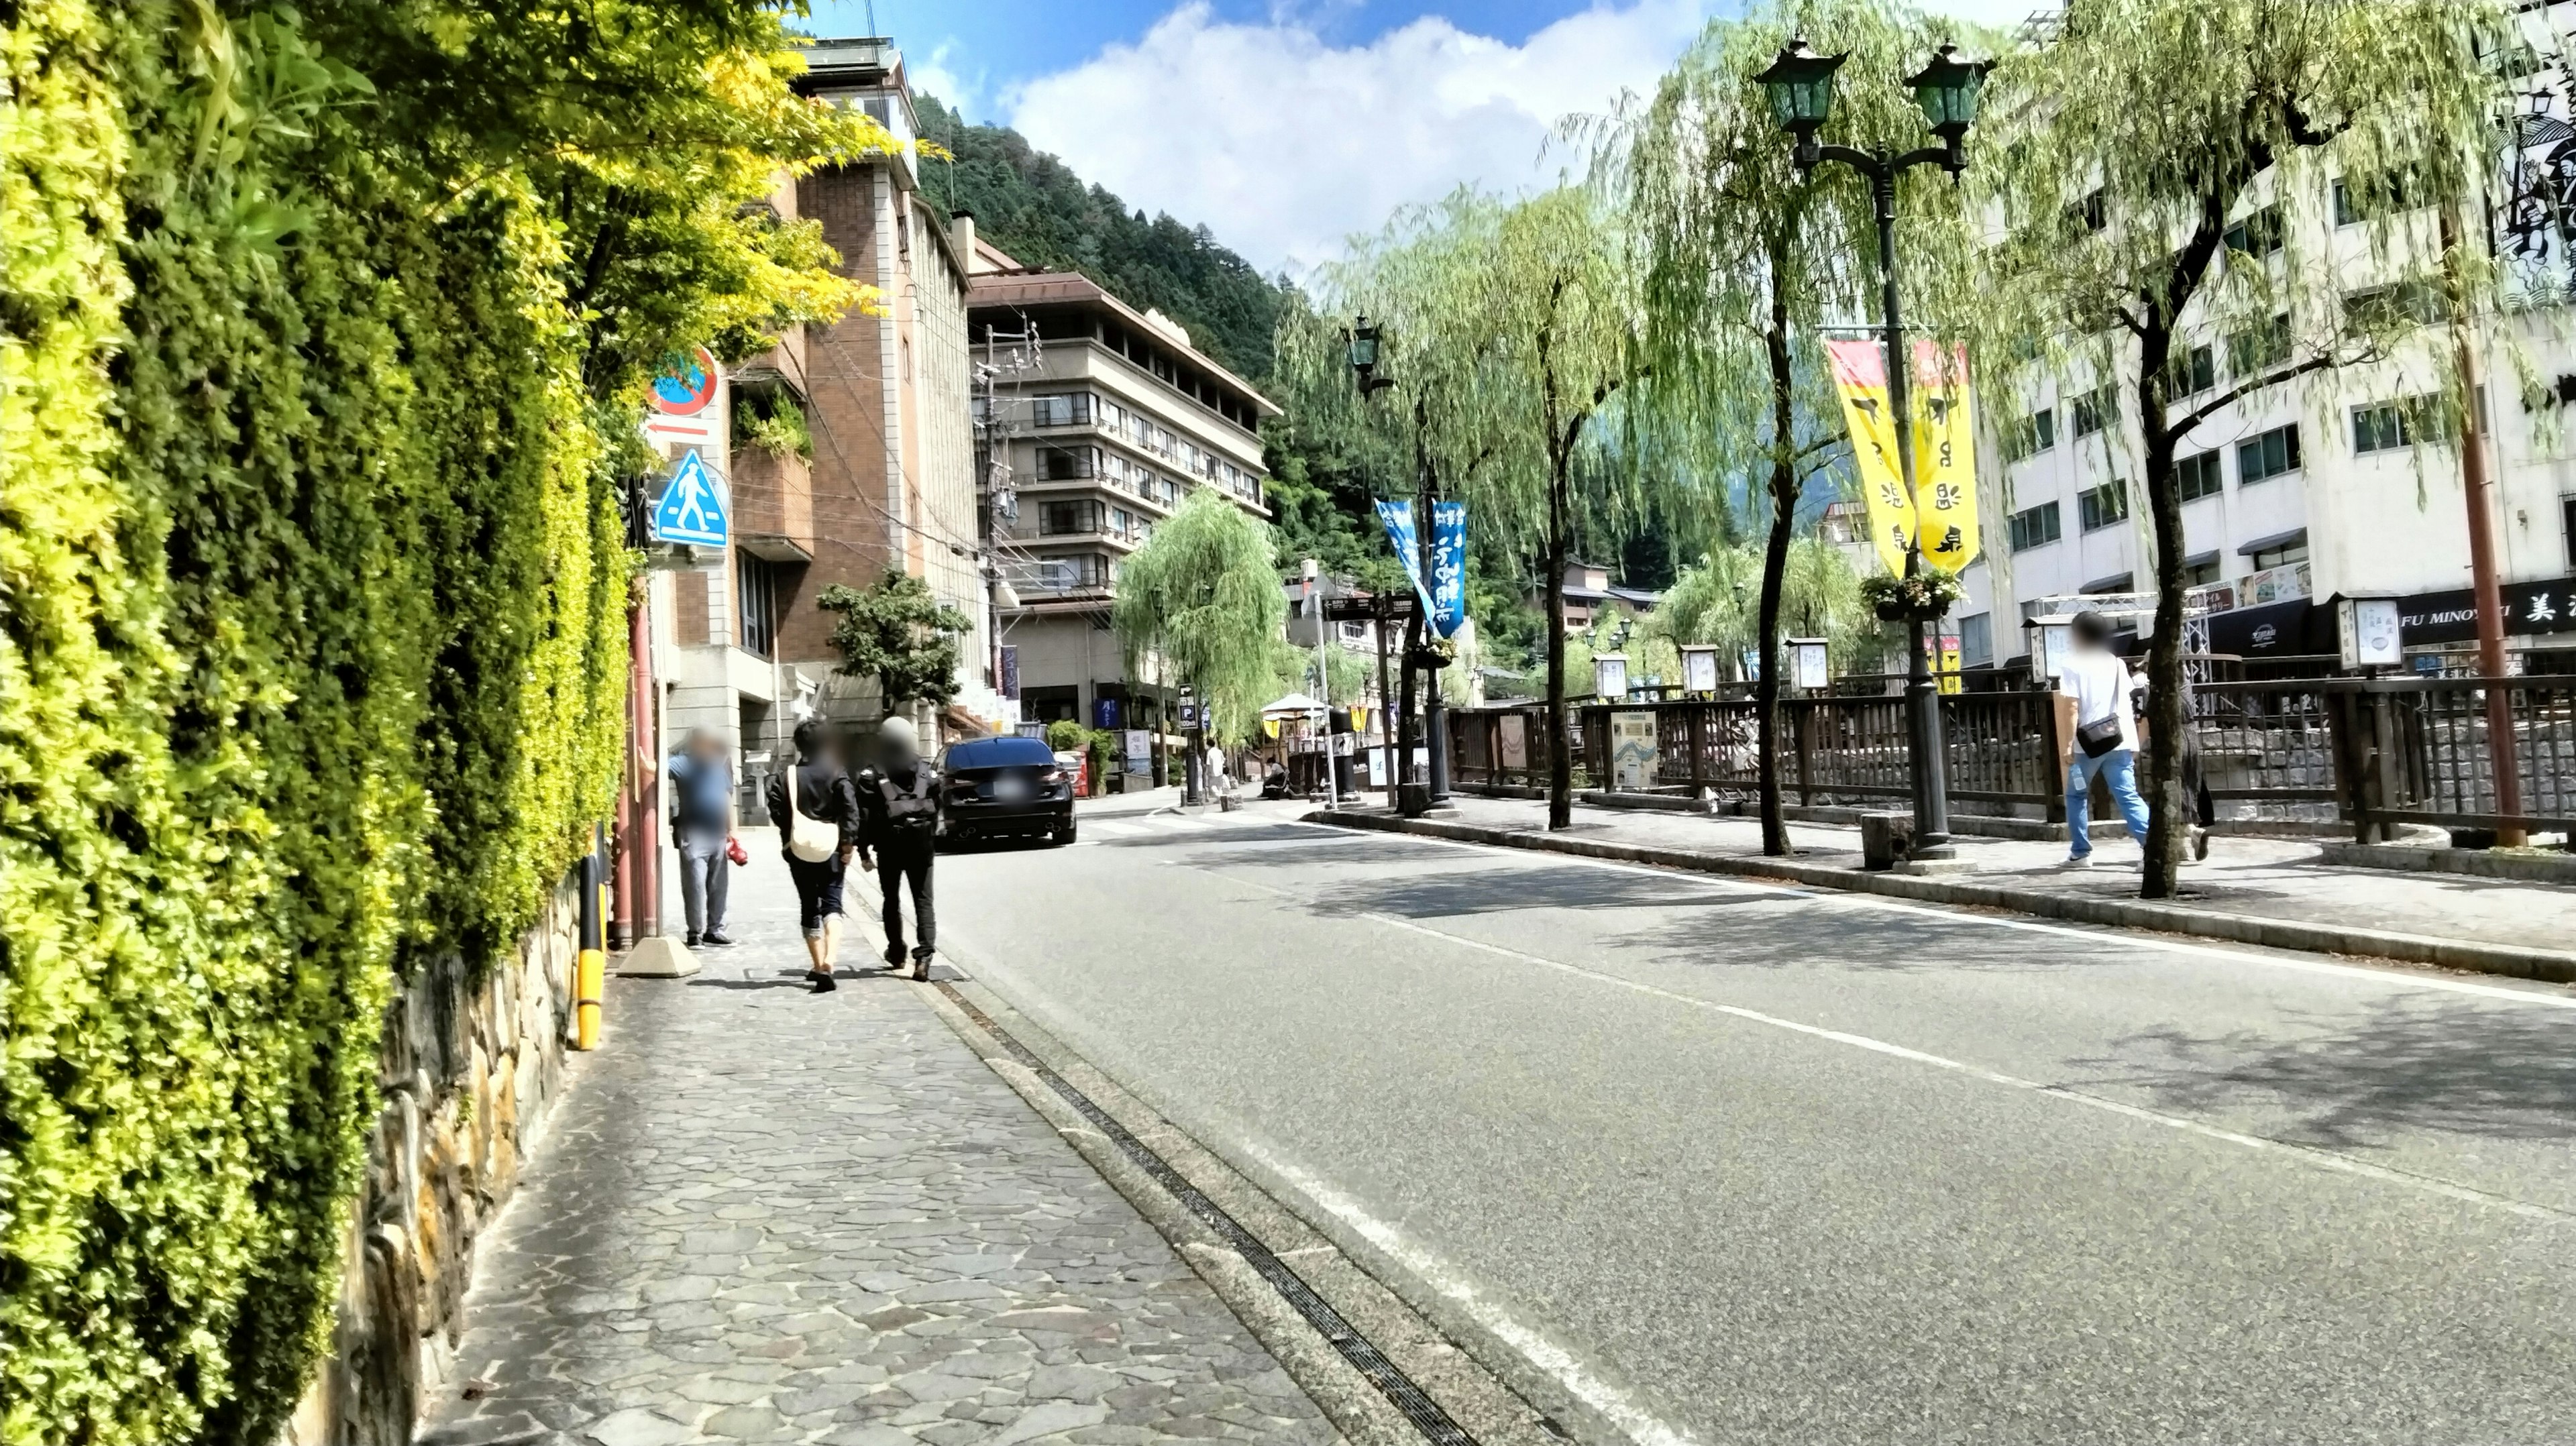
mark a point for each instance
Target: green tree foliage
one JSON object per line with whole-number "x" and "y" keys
{"x": 1747, "y": 257}
{"x": 1717, "y": 601}
{"x": 900, "y": 634}
{"x": 321, "y": 385}
{"x": 1034, "y": 207}
{"x": 2115, "y": 216}
{"x": 1203, "y": 596}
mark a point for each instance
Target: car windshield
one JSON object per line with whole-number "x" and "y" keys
{"x": 1000, "y": 753}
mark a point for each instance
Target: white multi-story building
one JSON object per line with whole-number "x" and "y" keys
{"x": 2303, "y": 492}
{"x": 1098, "y": 419}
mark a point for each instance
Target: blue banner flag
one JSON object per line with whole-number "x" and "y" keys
{"x": 1444, "y": 597}
{"x": 1448, "y": 566}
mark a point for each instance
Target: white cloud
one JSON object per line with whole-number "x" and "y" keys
{"x": 937, "y": 75}
{"x": 1284, "y": 145}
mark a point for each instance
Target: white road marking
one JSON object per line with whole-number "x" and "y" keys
{"x": 2542, "y": 994}
{"x": 2323, "y": 1159}
{"x": 1622, "y": 1409}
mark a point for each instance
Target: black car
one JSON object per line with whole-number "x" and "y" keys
{"x": 995, "y": 787}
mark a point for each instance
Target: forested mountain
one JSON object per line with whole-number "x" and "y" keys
{"x": 1033, "y": 206}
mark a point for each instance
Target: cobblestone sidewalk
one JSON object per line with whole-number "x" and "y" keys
{"x": 765, "y": 1216}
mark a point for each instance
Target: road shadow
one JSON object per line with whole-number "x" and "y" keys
{"x": 1450, "y": 895}
{"x": 1878, "y": 941}
{"x": 2446, "y": 1065}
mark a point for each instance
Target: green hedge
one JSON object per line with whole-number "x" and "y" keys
{"x": 311, "y": 660}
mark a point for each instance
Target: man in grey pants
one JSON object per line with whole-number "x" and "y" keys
{"x": 701, "y": 780}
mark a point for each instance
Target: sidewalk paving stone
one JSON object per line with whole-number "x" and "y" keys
{"x": 2277, "y": 878}
{"x": 766, "y": 1216}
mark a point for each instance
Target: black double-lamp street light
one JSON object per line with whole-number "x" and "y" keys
{"x": 1801, "y": 86}
{"x": 1434, "y": 724}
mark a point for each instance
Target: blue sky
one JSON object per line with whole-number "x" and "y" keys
{"x": 998, "y": 44}
{"x": 1286, "y": 126}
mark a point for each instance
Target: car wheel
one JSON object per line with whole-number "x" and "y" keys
{"x": 1063, "y": 834}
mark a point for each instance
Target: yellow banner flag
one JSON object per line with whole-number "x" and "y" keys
{"x": 1945, "y": 452}
{"x": 1860, "y": 379}
{"x": 1945, "y": 457}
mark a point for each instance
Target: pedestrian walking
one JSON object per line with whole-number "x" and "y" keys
{"x": 899, "y": 804}
{"x": 817, "y": 815}
{"x": 2097, "y": 718}
{"x": 701, "y": 779}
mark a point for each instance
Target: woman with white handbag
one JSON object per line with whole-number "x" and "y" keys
{"x": 817, "y": 814}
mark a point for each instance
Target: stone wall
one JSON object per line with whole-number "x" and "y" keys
{"x": 469, "y": 1071}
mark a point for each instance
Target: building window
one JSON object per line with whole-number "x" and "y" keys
{"x": 2259, "y": 348}
{"x": 2356, "y": 204}
{"x": 2103, "y": 506}
{"x": 2568, "y": 506}
{"x": 1067, "y": 464}
{"x": 1065, "y": 574}
{"x": 2260, "y": 459}
{"x": 756, "y": 597}
{"x": 1977, "y": 640}
{"x": 2198, "y": 475}
{"x": 2031, "y": 435}
{"x": 2282, "y": 556}
{"x": 2387, "y": 426}
{"x": 1063, "y": 409}
{"x": 2095, "y": 410}
{"x": 2033, "y": 527}
{"x": 2257, "y": 235}
{"x": 2375, "y": 307}
{"x": 2200, "y": 571}
{"x": 2191, "y": 373}
{"x": 1056, "y": 519}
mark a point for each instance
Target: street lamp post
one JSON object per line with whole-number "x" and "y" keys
{"x": 1801, "y": 87}
{"x": 1432, "y": 721}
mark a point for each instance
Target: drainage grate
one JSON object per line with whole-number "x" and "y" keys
{"x": 1391, "y": 1381}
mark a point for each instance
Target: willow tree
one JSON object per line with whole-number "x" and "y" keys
{"x": 2157, "y": 169}
{"x": 1203, "y": 596}
{"x": 1816, "y": 595}
{"x": 1747, "y": 257}
{"x": 1440, "y": 417}
{"x": 1558, "y": 301}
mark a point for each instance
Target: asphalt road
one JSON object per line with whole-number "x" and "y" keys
{"x": 1731, "y": 1163}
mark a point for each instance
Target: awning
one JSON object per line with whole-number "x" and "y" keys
{"x": 2201, "y": 559}
{"x": 2296, "y": 536}
{"x": 1295, "y": 705}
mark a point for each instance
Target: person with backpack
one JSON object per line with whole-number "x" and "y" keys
{"x": 2098, "y": 723}
{"x": 898, "y": 838}
{"x": 817, "y": 814}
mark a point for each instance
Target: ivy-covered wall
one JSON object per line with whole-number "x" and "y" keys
{"x": 311, "y": 659}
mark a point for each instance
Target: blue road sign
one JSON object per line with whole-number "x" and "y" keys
{"x": 692, "y": 507}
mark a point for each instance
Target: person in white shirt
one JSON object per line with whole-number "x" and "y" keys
{"x": 2097, "y": 724}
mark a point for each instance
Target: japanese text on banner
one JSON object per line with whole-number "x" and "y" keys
{"x": 1945, "y": 453}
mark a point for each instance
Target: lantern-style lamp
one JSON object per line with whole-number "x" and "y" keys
{"x": 1363, "y": 347}
{"x": 1364, "y": 357}
{"x": 1947, "y": 89}
{"x": 1801, "y": 86}
{"x": 1807, "y": 664}
{"x": 1610, "y": 677}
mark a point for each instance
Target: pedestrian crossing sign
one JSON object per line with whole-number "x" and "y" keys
{"x": 692, "y": 508}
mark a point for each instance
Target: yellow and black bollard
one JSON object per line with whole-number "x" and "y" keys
{"x": 590, "y": 980}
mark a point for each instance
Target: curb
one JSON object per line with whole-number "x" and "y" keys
{"x": 2545, "y": 965}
